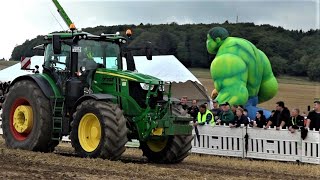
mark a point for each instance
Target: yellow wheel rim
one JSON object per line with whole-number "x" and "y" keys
{"x": 157, "y": 145}
{"x": 23, "y": 119}
{"x": 89, "y": 132}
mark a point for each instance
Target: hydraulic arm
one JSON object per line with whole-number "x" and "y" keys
{"x": 63, "y": 14}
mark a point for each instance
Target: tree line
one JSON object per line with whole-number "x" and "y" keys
{"x": 291, "y": 52}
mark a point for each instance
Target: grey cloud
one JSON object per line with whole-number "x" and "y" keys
{"x": 289, "y": 14}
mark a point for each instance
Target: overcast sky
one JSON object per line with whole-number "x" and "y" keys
{"x": 25, "y": 19}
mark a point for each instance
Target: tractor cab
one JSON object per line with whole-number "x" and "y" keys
{"x": 81, "y": 63}
{"x": 73, "y": 52}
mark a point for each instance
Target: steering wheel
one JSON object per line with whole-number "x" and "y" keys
{"x": 55, "y": 61}
{"x": 56, "y": 67}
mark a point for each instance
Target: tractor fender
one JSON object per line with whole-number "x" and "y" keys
{"x": 98, "y": 97}
{"x": 43, "y": 84}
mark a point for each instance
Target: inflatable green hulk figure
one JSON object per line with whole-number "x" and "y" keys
{"x": 242, "y": 73}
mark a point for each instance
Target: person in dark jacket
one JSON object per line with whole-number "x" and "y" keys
{"x": 193, "y": 110}
{"x": 280, "y": 118}
{"x": 239, "y": 119}
{"x": 313, "y": 119}
{"x": 296, "y": 121}
{"x": 216, "y": 109}
{"x": 260, "y": 119}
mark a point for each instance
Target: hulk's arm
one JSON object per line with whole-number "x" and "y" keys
{"x": 269, "y": 85}
{"x": 230, "y": 74}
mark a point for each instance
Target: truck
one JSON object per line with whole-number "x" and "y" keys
{"x": 84, "y": 93}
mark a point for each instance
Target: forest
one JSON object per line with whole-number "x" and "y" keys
{"x": 291, "y": 52}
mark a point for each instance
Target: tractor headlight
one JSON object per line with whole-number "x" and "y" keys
{"x": 146, "y": 86}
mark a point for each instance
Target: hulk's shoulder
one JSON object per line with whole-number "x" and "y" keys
{"x": 237, "y": 46}
{"x": 236, "y": 41}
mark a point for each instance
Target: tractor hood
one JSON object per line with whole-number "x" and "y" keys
{"x": 129, "y": 75}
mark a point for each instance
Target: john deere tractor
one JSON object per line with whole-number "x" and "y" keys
{"x": 84, "y": 92}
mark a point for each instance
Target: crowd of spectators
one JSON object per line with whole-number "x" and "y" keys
{"x": 234, "y": 116}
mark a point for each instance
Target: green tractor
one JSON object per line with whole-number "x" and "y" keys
{"x": 84, "y": 93}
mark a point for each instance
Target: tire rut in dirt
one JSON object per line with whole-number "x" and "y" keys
{"x": 113, "y": 127}
{"x": 39, "y": 139}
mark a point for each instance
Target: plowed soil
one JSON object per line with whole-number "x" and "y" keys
{"x": 64, "y": 164}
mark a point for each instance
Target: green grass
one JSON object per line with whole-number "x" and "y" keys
{"x": 5, "y": 64}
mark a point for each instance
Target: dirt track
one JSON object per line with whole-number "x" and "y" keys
{"x": 63, "y": 164}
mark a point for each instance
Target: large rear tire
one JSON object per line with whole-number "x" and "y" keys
{"x": 172, "y": 149}
{"x": 27, "y": 119}
{"x": 99, "y": 130}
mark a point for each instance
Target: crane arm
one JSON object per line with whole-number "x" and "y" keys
{"x": 63, "y": 14}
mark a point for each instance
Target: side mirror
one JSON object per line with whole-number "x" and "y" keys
{"x": 56, "y": 43}
{"x": 40, "y": 47}
{"x": 149, "y": 50}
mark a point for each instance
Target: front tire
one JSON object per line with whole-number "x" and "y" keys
{"x": 99, "y": 130}
{"x": 26, "y": 118}
{"x": 168, "y": 150}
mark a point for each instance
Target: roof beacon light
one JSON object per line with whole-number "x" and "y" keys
{"x": 129, "y": 32}
{"x": 72, "y": 27}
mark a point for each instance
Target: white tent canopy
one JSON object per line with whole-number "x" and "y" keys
{"x": 166, "y": 68}
{"x": 169, "y": 68}
{"x": 10, "y": 73}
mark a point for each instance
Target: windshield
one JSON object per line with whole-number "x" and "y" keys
{"x": 105, "y": 53}
{"x": 101, "y": 52}
{"x": 59, "y": 61}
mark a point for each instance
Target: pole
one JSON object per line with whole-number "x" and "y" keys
{"x": 196, "y": 130}
{"x": 246, "y": 137}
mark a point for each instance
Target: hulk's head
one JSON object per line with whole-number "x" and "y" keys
{"x": 215, "y": 37}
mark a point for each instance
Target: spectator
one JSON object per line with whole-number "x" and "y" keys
{"x": 182, "y": 106}
{"x": 296, "y": 120}
{"x": 183, "y": 102}
{"x": 271, "y": 115}
{"x": 234, "y": 109}
{"x": 313, "y": 119}
{"x": 193, "y": 110}
{"x": 239, "y": 119}
{"x": 280, "y": 118}
{"x": 245, "y": 112}
{"x": 204, "y": 116}
{"x": 226, "y": 115}
{"x": 216, "y": 109}
{"x": 304, "y": 114}
{"x": 260, "y": 120}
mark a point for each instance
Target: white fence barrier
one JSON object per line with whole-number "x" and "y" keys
{"x": 219, "y": 140}
{"x": 272, "y": 144}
